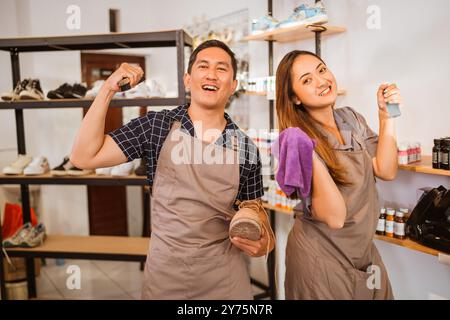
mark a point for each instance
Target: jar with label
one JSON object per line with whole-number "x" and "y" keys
{"x": 445, "y": 154}
{"x": 405, "y": 213}
{"x": 381, "y": 226}
{"x": 389, "y": 230}
{"x": 437, "y": 154}
{"x": 399, "y": 225}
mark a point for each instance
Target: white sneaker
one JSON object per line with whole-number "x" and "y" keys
{"x": 18, "y": 165}
{"x": 123, "y": 170}
{"x": 39, "y": 165}
{"x": 154, "y": 89}
{"x": 139, "y": 91}
{"x": 103, "y": 171}
{"x": 92, "y": 93}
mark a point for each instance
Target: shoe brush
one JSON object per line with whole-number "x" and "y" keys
{"x": 125, "y": 83}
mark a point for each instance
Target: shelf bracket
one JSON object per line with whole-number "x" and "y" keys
{"x": 317, "y": 29}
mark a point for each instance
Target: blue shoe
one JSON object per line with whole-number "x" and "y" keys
{"x": 306, "y": 15}
{"x": 264, "y": 24}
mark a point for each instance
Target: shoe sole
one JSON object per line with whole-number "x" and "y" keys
{"x": 245, "y": 228}
{"x": 58, "y": 173}
{"x": 33, "y": 173}
{"x": 30, "y": 97}
{"x": 305, "y": 22}
{"x": 76, "y": 173}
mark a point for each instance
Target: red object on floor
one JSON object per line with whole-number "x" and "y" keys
{"x": 13, "y": 219}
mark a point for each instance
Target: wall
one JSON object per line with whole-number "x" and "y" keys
{"x": 410, "y": 49}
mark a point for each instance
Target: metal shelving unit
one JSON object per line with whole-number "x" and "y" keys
{"x": 60, "y": 246}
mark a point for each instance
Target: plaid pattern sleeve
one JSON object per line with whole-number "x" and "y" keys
{"x": 251, "y": 185}
{"x": 144, "y": 137}
{"x": 130, "y": 137}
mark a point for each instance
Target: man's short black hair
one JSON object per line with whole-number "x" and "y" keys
{"x": 212, "y": 44}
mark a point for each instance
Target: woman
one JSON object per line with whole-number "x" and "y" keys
{"x": 330, "y": 253}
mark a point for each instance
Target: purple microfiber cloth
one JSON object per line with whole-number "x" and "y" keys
{"x": 294, "y": 150}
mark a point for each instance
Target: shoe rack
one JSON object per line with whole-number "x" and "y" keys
{"x": 286, "y": 35}
{"x": 84, "y": 247}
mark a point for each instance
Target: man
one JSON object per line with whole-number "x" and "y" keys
{"x": 194, "y": 184}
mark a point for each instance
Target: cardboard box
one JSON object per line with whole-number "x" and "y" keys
{"x": 19, "y": 270}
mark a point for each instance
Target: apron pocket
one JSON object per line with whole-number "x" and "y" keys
{"x": 208, "y": 277}
{"x": 164, "y": 277}
{"x": 342, "y": 283}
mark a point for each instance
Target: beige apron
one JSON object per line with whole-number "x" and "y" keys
{"x": 191, "y": 256}
{"x": 324, "y": 263}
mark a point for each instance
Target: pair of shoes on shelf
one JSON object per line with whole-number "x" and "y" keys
{"x": 28, "y": 166}
{"x": 27, "y": 236}
{"x": 92, "y": 93}
{"x": 67, "y": 91}
{"x": 121, "y": 170}
{"x": 66, "y": 168}
{"x": 27, "y": 89}
{"x": 150, "y": 88}
{"x": 18, "y": 165}
{"x": 39, "y": 165}
{"x": 304, "y": 14}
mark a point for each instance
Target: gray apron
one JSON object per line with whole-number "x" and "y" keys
{"x": 190, "y": 255}
{"x": 325, "y": 263}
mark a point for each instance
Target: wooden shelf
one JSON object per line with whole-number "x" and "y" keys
{"x": 295, "y": 33}
{"x": 277, "y": 209}
{"x": 408, "y": 243}
{"x": 341, "y": 92}
{"x": 424, "y": 166}
{"x": 91, "y": 179}
{"x": 87, "y": 247}
{"x": 86, "y": 103}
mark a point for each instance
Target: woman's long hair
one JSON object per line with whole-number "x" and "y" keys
{"x": 292, "y": 115}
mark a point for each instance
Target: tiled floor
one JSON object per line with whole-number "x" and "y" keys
{"x": 103, "y": 280}
{"x": 100, "y": 280}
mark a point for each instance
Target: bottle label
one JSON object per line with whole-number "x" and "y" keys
{"x": 435, "y": 157}
{"x": 381, "y": 224}
{"x": 399, "y": 228}
{"x": 389, "y": 226}
{"x": 444, "y": 158}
